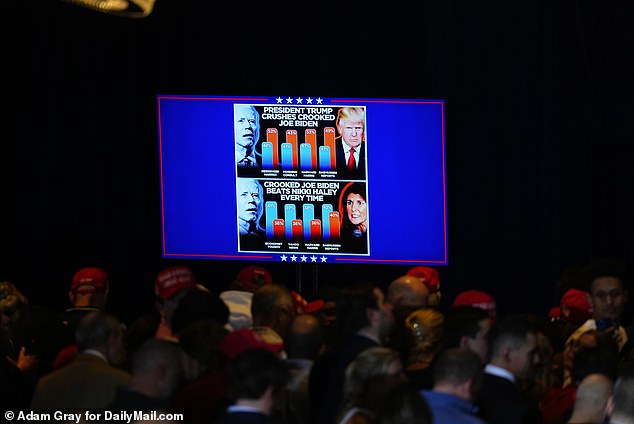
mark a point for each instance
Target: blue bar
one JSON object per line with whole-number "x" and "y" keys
{"x": 271, "y": 214}
{"x": 308, "y": 215}
{"x": 289, "y": 215}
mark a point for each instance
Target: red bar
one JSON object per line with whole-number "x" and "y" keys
{"x": 271, "y": 137}
{"x": 297, "y": 229}
{"x": 315, "y": 230}
{"x": 335, "y": 226}
{"x": 291, "y": 137}
{"x": 278, "y": 229}
{"x": 329, "y": 140}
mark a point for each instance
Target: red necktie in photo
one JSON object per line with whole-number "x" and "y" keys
{"x": 352, "y": 164}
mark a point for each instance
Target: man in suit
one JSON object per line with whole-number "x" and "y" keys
{"x": 512, "y": 346}
{"x": 350, "y": 146}
{"x": 365, "y": 320}
{"x": 258, "y": 378}
{"x": 91, "y": 379}
{"x": 156, "y": 372}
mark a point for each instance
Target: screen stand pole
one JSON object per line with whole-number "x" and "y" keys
{"x": 315, "y": 280}
{"x": 298, "y": 278}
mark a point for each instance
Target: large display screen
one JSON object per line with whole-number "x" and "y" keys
{"x": 303, "y": 179}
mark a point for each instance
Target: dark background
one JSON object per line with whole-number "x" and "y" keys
{"x": 539, "y": 129}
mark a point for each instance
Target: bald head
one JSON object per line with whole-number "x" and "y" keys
{"x": 592, "y": 399}
{"x": 304, "y": 323}
{"x": 305, "y": 337}
{"x": 407, "y": 292}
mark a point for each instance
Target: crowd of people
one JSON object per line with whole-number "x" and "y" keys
{"x": 259, "y": 352}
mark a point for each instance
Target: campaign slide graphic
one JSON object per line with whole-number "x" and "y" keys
{"x": 302, "y": 216}
{"x": 300, "y": 141}
{"x": 298, "y": 203}
{"x": 300, "y": 179}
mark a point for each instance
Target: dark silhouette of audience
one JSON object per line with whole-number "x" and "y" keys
{"x": 354, "y": 353}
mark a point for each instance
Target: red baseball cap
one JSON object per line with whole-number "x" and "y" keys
{"x": 238, "y": 341}
{"x": 554, "y": 313}
{"x": 476, "y": 299}
{"x": 172, "y": 280}
{"x": 302, "y": 306}
{"x": 575, "y": 306}
{"x": 96, "y": 277}
{"x": 428, "y": 275}
{"x": 253, "y": 277}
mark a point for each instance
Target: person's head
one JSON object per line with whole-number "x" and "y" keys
{"x": 423, "y": 335}
{"x": 272, "y": 306}
{"x": 370, "y": 375}
{"x": 246, "y": 126}
{"x": 305, "y": 337}
{"x": 156, "y": 368}
{"x": 622, "y": 405}
{"x": 591, "y": 401}
{"x": 596, "y": 353}
{"x": 363, "y": 307}
{"x": 200, "y": 341}
{"x": 89, "y": 287}
{"x": 607, "y": 290}
{"x": 404, "y": 405}
{"x": 257, "y": 375}
{"x": 406, "y": 294}
{"x": 243, "y": 339}
{"x": 429, "y": 277}
{"x": 170, "y": 286}
{"x": 353, "y": 207}
{"x": 351, "y": 125}
{"x": 102, "y": 332}
{"x": 477, "y": 299}
{"x": 251, "y": 278}
{"x": 250, "y": 198}
{"x": 458, "y": 371}
{"x": 512, "y": 345}
{"x": 12, "y": 304}
{"x": 198, "y": 304}
{"x": 469, "y": 328}
{"x": 575, "y": 307}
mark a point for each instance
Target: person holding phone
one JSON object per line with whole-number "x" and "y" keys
{"x": 608, "y": 295}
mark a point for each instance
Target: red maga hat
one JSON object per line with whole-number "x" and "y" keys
{"x": 302, "y": 306}
{"x": 172, "y": 280}
{"x": 253, "y": 277}
{"x": 428, "y": 275}
{"x": 476, "y": 299}
{"x": 575, "y": 306}
{"x": 96, "y": 277}
{"x": 238, "y": 341}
